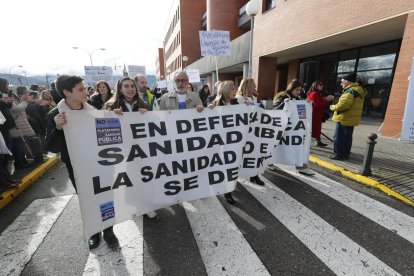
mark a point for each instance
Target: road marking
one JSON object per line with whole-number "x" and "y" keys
{"x": 223, "y": 248}
{"x": 127, "y": 260}
{"x": 389, "y": 218}
{"x": 340, "y": 253}
{"x": 22, "y": 238}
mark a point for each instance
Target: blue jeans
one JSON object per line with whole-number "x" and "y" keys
{"x": 343, "y": 140}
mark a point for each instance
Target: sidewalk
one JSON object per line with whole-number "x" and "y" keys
{"x": 28, "y": 176}
{"x": 392, "y": 164}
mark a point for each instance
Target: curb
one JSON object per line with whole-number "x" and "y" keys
{"x": 361, "y": 179}
{"x": 27, "y": 180}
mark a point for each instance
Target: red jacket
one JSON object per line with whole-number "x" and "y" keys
{"x": 318, "y": 105}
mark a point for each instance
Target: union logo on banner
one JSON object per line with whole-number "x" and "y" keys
{"x": 108, "y": 131}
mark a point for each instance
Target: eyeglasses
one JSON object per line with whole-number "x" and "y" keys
{"x": 180, "y": 80}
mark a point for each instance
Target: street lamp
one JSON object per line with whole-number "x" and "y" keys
{"x": 185, "y": 59}
{"x": 252, "y": 8}
{"x": 89, "y": 53}
{"x": 14, "y": 66}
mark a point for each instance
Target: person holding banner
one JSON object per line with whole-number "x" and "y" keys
{"x": 227, "y": 96}
{"x": 204, "y": 93}
{"x": 180, "y": 98}
{"x": 143, "y": 91}
{"x": 101, "y": 95}
{"x": 292, "y": 92}
{"x": 246, "y": 94}
{"x": 126, "y": 99}
{"x": 247, "y": 91}
{"x": 74, "y": 97}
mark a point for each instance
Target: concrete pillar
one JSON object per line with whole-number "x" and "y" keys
{"x": 245, "y": 70}
{"x": 265, "y": 76}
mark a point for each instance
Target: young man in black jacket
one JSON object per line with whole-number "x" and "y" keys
{"x": 73, "y": 91}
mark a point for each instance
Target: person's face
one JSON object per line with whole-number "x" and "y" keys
{"x": 206, "y": 89}
{"x": 142, "y": 83}
{"x": 46, "y": 95}
{"x": 181, "y": 82}
{"x": 344, "y": 83}
{"x": 102, "y": 89}
{"x": 320, "y": 87}
{"x": 128, "y": 90}
{"x": 232, "y": 93}
{"x": 79, "y": 93}
{"x": 296, "y": 92}
{"x": 189, "y": 88}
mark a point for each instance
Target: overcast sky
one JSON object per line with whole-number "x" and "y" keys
{"x": 40, "y": 34}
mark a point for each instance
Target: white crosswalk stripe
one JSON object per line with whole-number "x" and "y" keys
{"x": 223, "y": 247}
{"x": 22, "y": 238}
{"x": 337, "y": 251}
{"x": 388, "y": 217}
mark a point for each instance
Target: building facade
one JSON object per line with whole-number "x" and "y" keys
{"x": 309, "y": 40}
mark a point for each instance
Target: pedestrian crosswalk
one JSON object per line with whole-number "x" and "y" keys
{"x": 294, "y": 225}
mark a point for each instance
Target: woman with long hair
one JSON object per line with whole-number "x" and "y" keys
{"x": 125, "y": 97}
{"x": 319, "y": 104}
{"x": 292, "y": 92}
{"x": 247, "y": 91}
{"x": 101, "y": 95}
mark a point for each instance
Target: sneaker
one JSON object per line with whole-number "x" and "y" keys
{"x": 94, "y": 241}
{"x": 306, "y": 171}
{"x": 320, "y": 144}
{"x": 335, "y": 157}
{"x": 151, "y": 214}
{"x": 229, "y": 198}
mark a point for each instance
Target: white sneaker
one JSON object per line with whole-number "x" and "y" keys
{"x": 152, "y": 214}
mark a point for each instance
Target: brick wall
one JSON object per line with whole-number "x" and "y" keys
{"x": 398, "y": 96}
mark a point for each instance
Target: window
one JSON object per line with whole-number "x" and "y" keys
{"x": 270, "y": 4}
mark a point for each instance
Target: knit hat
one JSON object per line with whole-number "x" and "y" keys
{"x": 350, "y": 77}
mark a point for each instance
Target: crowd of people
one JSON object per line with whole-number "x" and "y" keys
{"x": 33, "y": 118}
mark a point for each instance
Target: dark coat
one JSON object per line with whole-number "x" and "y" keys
{"x": 96, "y": 101}
{"x": 280, "y": 97}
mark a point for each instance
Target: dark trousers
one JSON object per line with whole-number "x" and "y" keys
{"x": 343, "y": 139}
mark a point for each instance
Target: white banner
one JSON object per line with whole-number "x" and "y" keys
{"x": 97, "y": 73}
{"x": 295, "y": 145}
{"x": 193, "y": 75}
{"x": 407, "y": 133}
{"x": 134, "y": 70}
{"x": 135, "y": 163}
{"x": 215, "y": 43}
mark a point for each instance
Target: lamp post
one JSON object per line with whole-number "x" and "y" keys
{"x": 14, "y": 66}
{"x": 252, "y": 8}
{"x": 89, "y": 53}
{"x": 185, "y": 59}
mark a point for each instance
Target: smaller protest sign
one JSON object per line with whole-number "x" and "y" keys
{"x": 215, "y": 43}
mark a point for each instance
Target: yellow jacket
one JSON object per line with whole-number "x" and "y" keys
{"x": 348, "y": 110}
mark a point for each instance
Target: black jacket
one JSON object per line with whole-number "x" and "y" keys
{"x": 55, "y": 139}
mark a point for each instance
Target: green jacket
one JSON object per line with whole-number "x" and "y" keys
{"x": 348, "y": 110}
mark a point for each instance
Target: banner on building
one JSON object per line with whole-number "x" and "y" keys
{"x": 407, "y": 133}
{"x": 137, "y": 162}
{"x": 97, "y": 73}
{"x": 134, "y": 70}
{"x": 215, "y": 43}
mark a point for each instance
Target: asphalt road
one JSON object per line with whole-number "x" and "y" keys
{"x": 295, "y": 225}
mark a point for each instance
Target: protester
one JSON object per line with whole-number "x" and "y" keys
{"x": 190, "y": 87}
{"x": 101, "y": 95}
{"x": 6, "y": 100}
{"x": 36, "y": 111}
{"x": 212, "y": 97}
{"x": 53, "y": 92}
{"x": 347, "y": 115}
{"x": 204, "y": 93}
{"x": 143, "y": 91}
{"x": 74, "y": 94}
{"x": 180, "y": 98}
{"x": 292, "y": 92}
{"x": 319, "y": 103}
{"x": 247, "y": 91}
{"x": 227, "y": 96}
